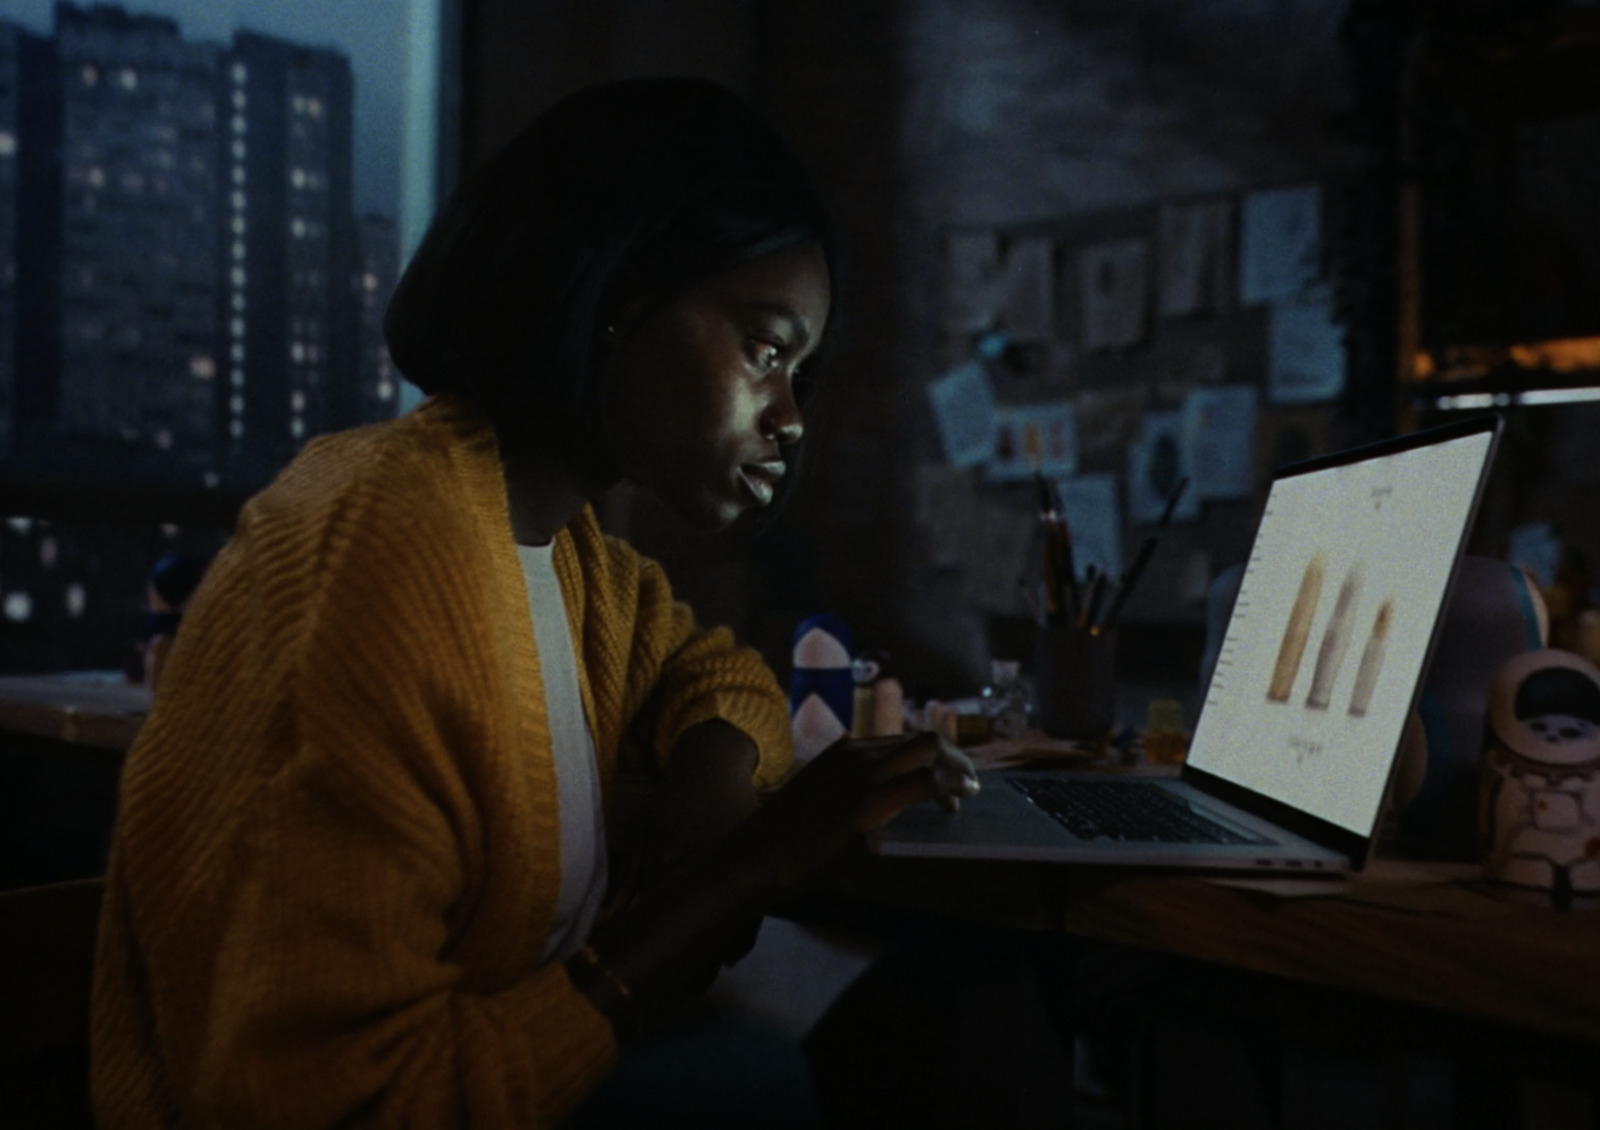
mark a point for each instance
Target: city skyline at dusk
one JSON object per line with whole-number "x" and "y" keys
{"x": 191, "y": 287}
{"x": 372, "y": 34}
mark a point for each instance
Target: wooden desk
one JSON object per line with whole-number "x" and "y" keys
{"x": 100, "y": 710}
{"x": 1404, "y": 996}
{"x": 62, "y": 741}
{"x": 1452, "y": 947}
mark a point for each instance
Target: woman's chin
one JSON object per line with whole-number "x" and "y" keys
{"x": 708, "y": 515}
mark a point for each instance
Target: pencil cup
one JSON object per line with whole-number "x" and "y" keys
{"x": 1074, "y": 684}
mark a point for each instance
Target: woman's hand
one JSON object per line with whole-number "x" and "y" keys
{"x": 850, "y": 789}
{"x": 670, "y": 941}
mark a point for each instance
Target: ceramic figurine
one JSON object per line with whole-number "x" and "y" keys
{"x": 1539, "y": 810}
{"x": 821, "y": 687}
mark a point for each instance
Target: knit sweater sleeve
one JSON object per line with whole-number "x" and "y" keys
{"x": 378, "y": 959}
{"x": 680, "y": 673}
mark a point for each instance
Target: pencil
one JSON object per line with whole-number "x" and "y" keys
{"x": 1068, "y": 570}
{"x": 1049, "y": 525}
{"x": 1141, "y": 560}
{"x": 1172, "y": 502}
{"x": 1129, "y": 579}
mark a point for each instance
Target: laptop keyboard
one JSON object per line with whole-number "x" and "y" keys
{"x": 1125, "y": 810}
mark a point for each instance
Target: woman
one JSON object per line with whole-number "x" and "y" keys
{"x": 361, "y": 868}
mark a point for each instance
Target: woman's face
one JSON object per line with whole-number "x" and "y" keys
{"x": 700, "y": 398}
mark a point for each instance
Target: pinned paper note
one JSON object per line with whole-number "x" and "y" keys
{"x": 1090, "y": 505}
{"x": 1108, "y": 419}
{"x": 1195, "y": 257}
{"x": 1157, "y": 461}
{"x": 964, "y": 411}
{"x": 1028, "y": 281}
{"x": 1305, "y": 352}
{"x": 1280, "y": 243}
{"x": 1033, "y": 438}
{"x": 1219, "y": 427}
{"x": 972, "y": 292}
{"x": 1113, "y": 286}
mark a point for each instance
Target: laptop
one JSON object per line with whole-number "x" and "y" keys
{"x": 1319, "y": 668}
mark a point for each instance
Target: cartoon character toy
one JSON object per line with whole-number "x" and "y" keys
{"x": 1539, "y": 810}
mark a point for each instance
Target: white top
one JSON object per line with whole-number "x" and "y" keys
{"x": 582, "y": 820}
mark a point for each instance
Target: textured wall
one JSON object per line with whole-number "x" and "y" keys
{"x": 916, "y": 117}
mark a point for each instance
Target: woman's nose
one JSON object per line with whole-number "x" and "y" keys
{"x": 782, "y": 422}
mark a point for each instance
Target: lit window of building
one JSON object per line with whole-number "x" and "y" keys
{"x": 8, "y": 144}
{"x": 297, "y": 427}
{"x": 236, "y": 429}
{"x": 236, "y": 378}
{"x": 297, "y": 401}
{"x": 19, "y": 607}
{"x": 236, "y": 404}
{"x": 202, "y": 367}
{"x": 76, "y": 600}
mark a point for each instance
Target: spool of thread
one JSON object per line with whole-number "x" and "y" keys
{"x": 864, "y": 671}
{"x": 888, "y": 708}
{"x": 942, "y": 720}
{"x": 861, "y": 715}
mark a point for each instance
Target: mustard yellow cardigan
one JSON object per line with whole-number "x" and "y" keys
{"x": 335, "y": 862}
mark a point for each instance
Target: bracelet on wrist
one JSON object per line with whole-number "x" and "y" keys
{"x": 622, "y": 1009}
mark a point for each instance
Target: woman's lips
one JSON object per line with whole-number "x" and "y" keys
{"x": 761, "y": 479}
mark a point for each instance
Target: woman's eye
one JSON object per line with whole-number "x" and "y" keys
{"x": 766, "y": 355}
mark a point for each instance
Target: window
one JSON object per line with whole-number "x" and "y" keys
{"x": 165, "y": 365}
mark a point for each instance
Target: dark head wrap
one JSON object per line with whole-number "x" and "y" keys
{"x": 631, "y": 190}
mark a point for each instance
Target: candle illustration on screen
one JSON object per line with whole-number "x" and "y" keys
{"x": 1297, "y": 631}
{"x": 1335, "y": 641}
{"x": 1371, "y": 660}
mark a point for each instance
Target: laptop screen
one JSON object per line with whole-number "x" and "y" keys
{"x": 1333, "y": 624}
